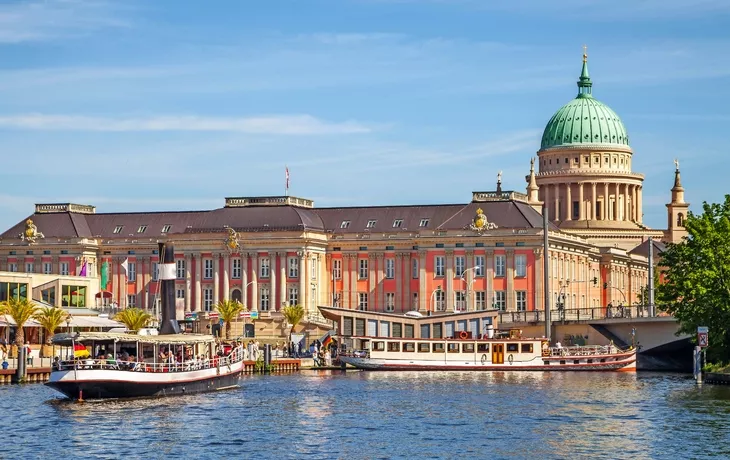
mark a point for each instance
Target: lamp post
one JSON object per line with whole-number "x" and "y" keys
{"x": 468, "y": 284}
{"x": 560, "y": 304}
{"x": 433, "y": 294}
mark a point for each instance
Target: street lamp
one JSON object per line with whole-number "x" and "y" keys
{"x": 468, "y": 285}
{"x": 433, "y": 294}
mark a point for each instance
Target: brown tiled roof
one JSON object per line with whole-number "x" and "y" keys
{"x": 643, "y": 249}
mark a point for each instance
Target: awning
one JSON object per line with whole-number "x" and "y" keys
{"x": 7, "y": 320}
{"x": 105, "y": 294}
{"x": 93, "y": 321}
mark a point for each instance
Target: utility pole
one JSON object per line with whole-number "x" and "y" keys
{"x": 545, "y": 272}
{"x": 651, "y": 278}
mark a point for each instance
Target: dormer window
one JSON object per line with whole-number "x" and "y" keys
{"x": 142, "y": 229}
{"x": 424, "y": 223}
{"x": 118, "y": 228}
{"x": 166, "y": 228}
{"x": 397, "y": 223}
{"x": 371, "y": 223}
{"x": 345, "y": 224}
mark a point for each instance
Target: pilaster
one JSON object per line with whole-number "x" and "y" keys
{"x": 216, "y": 278}
{"x": 510, "y": 272}
{"x": 449, "y": 281}
{"x": 188, "y": 282}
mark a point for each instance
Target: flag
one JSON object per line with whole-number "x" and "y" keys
{"x": 287, "y": 178}
{"x": 125, "y": 266}
{"x": 327, "y": 340}
{"x": 104, "y": 274}
{"x": 83, "y": 269}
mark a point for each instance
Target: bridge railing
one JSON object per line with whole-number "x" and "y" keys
{"x": 577, "y": 314}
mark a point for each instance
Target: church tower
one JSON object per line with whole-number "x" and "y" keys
{"x": 676, "y": 210}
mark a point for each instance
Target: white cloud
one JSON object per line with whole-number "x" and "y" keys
{"x": 277, "y": 125}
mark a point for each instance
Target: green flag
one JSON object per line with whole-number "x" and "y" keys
{"x": 104, "y": 274}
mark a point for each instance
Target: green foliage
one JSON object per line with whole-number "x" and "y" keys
{"x": 259, "y": 364}
{"x": 697, "y": 278}
{"x": 50, "y": 319}
{"x": 293, "y": 314}
{"x": 21, "y": 310}
{"x": 134, "y": 318}
{"x": 229, "y": 311}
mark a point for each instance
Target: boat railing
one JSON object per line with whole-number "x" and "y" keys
{"x": 587, "y": 350}
{"x": 236, "y": 355}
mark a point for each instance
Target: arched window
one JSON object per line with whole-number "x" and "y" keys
{"x": 680, "y": 220}
{"x": 236, "y": 295}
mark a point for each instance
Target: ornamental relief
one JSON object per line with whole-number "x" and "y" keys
{"x": 31, "y": 233}
{"x": 480, "y": 225}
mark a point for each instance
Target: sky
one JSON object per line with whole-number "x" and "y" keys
{"x": 142, "y": 105}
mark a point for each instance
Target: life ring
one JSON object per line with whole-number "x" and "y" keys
{"x": 463, "y": 335}
{"x": 510, "y": 358}
{"x": 484, "y": 358}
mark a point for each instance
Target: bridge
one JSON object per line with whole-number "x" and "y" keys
{"x": 660, "y": 348}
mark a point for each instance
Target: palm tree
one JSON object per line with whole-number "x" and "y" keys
{"x": 50, "y": 319}
{"x": 21, "y": 310}
{"x": 229, "y": 311}
{"x": 134, "y": 318}
{"x": 293, "y": 315}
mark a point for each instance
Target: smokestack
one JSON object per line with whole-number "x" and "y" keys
{"x": 168, "y": 324}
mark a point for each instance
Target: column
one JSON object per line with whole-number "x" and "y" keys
{"x": 198, "y": 305}
{"x": 639, "y": 205}
{"x": 629, "y": 203}
{"x": 273, "y": 306}
{"x": 283, "y": 295}
{"x": 116, "y": 276}
{"x": 303, "y": 280}
{"x": 556, "y": 190}
{"x": 188, "y": 278}
{"x": 634, "y": 210}
{"x": 625, "y": 206}
{"x": 254, "y": 256}
{"x": 606, "y": 201}
{"x": 423, "y": 297}
{"x": 538, "y": 277}
{"x": 55, "y": 268}
{"x": 244, "y": 280}
{"x": 407, "y": 276}
{"x": 216, "y": 278}
{"x": 329, "y": 279}
{"x": 372, "y": 283}
{"x": 398, "y": 282}
{"x": 546, "y": 199}
{"x": 510, "y": 272}
{"x": 226, "y": 276}
{"x": 489, "y": 261}
{"x": 594, "y": 216}
{"x": 581, "y": 200}
{"x": 449, "y": 281}
{"x": 568, "y": 204}
{"x": 354, "y": 261}
{"x": 380, "y": 289}
{"x": 138, "y": 286}
{"x": 616, "y": 204}
{"x": 470, "y": 304}
{"x": 345, "y": 294}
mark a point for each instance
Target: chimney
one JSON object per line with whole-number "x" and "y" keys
{"x": 168, "y": 323}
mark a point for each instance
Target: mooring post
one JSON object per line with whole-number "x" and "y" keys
{"x": 267, "y": 357}
{"x": 697, "y": 355}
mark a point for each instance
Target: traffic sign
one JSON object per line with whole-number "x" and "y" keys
{"x": 702, "y": 336}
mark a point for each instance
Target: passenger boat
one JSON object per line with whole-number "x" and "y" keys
{"x": 124, "y": 365}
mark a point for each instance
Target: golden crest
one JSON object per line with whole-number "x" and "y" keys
{"x": 480, "y": 224}
{"x": 232, "y": 243}
{"x": 31, "y": 233}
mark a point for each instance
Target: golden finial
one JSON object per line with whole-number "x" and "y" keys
{"x": 585, "y": 53}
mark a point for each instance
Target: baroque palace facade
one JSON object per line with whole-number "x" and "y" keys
{"x": 486, "y": 253}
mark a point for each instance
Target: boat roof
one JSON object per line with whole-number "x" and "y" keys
{"x": 67, "y": 339}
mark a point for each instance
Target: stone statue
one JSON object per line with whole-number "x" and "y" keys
{"x": 499, "y": 176}
{"x": 676, "y": 164}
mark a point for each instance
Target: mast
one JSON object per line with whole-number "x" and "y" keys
{"x": 546, "y": 271}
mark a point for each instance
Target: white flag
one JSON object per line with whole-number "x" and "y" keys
{"x": 125, "y": 266}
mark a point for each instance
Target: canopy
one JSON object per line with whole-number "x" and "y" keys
{"x": 7, "y": 320}
{"x": 93, "y": 321}
{"x": 105, "y": 294}
{"x": 66, "y": 338}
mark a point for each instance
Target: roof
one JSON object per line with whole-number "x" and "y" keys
{"x": 66, "y": 339}
{"x": 643, "y": 249}
{"x": 584, "y": 120}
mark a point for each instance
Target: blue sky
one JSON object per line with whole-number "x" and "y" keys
{"x": 167, "y": 105}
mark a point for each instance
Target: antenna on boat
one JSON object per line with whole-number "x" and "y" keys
{"x": 546, "y": 271}
{"x": 168, "y": 323}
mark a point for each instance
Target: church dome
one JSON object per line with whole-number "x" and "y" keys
{"x": 584, "y": 120}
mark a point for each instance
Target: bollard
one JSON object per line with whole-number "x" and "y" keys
{"x": 697, "y": 358}
{"x": 21, "y": 370}
{"x": 267, "y": 357}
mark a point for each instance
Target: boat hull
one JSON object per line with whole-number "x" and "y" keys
{"x": 106, "y": 384}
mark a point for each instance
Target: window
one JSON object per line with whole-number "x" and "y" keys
{"x": 409, "y": 347}
{"x": 337, "y": 269}
{"x": 521, "y": 297}
{"x": 180, "y": 293}
{"x": 520, "y": 265}
{"x": 363, "y": 272}
{"x": 460, "y": 298}
{"x": 414, "y": 268}
{"x": 378, "y": 346}
{"x": 132, "y": 275}
{"x": 362, "y": 303}
{"x": 30, "y": 267}
{"x": 424, "y": 347}
{"x": 208, "y": 269}
{"x": 236, "y": 272}
{"x": 482, "y": 348}
{"x": 142, "y": 229}
{"x": 180, "y": 268}
{"x": 500, "y": 300}
{"x": 526, "y": 348}
{"x": 481, "y": 297}
{"x": 499, "y": 263}
{"x": 459, "y": 263}
{"x": 389, "y": 301}
{"x": 64, "y": 268}
{"x": 166, "y": 228}
{"x": 313, "y": 266}
{"x": 513, "y": 347}
{"x": 467, "y": 348}
{"x": 47, "y": 268}
{"x": 479, "y": 263}
{"x": 73, "y": 296}
{"x": 154, "y": 271}
{"x": 438, "y": 347}
{"x": 118, "y": 229}
{"x": 576, "y": 210}
{"x": 13, "y": 267}
{"x": 293, "y": 267}
{"x": 440, "y": 297}
{"x": 397, "y": 223}
{"x": 390, "y": 268}
{"x": 345, "y": 224}
{"x": 131, "y": 300}
{"x": 438, "y": 262}
{"x": 207, "y": 299}
{"x": 265, "y": 267}
{"x": 393, "y": 346}
{"x": 293, "y": 295}
{"x": 371, "y": 223}
{"x": 424, "y": 223}
{"x": 453, "y": 347}
{"x": 264, "y": 302}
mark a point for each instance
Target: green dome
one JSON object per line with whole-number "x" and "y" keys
{"x": 584, "y": 120}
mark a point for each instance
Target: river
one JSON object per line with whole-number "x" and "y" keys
{"x": 385, "y": 415}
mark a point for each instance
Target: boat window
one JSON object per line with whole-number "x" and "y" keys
{"x": 424, "y": 347}
{"x": 409, "y": 347}
{"x": 467, "y": 348}
{"x": 590, "y": 361}
{"x": 378, "y": 346}
{"x": 438, "y": 347}
{"x": 526, "y": 348}
{"x": 393, "y": 346}
{"x": 483, "y": 347}
{"x": 453, "y": 348}
{"x": 513, "y": 347}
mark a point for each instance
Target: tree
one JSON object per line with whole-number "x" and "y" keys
{"x": 696, "y": 288}
{"x": 134, "y": 318}
{"x": 229, "y": 311}
{"x": 50, "y": 319}
{"x": 293, "y": 315}
{"x": 21, "y": 310}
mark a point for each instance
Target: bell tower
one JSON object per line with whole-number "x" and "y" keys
{"x": 676, "y": 210}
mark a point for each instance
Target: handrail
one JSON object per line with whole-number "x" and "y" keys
{"x": 577, "y": 314}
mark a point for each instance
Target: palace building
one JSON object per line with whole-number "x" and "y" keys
{"x": 484, "y": 253}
